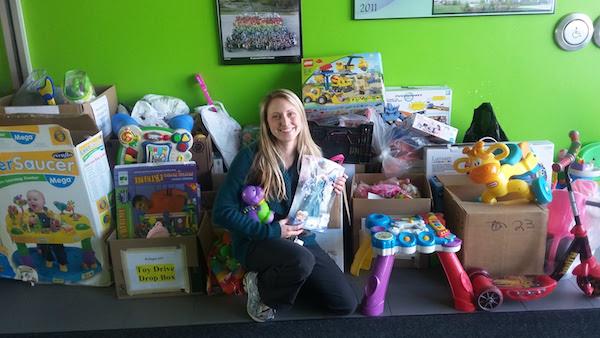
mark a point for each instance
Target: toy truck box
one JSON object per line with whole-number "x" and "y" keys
{"x": 54, "y": 202}
{"x": 157, "y": 199}
{"x": 342, "y": 84}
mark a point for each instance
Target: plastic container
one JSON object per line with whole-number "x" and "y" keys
{"x": 353, "y": 142}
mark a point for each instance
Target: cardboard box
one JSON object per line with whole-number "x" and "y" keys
{"x": 99, "y": 109}
{"x": 202, "y": 154}
{"x": 59, "y": 238}
{"x": 436, "y": 131}
{"x": 362, "y": 207}
{"x": 188, "y": 243}
{"x": 433, "y": 101}
{"x": 439, "y": 159}
{"x": 502, "y": 239}
{"x": 342, "y": 84}
{"x": 148, "y": 193}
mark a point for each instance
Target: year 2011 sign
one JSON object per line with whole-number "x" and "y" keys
{"x": 155, "y": 270}
{"x": 386, "y": 9}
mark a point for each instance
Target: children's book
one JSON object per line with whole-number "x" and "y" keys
{"x": 314, "y": 194}
{"x": 163, "y": 196}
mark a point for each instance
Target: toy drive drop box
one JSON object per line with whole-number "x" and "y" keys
{"x": 54, "y": 203}
{"x": 149, "y": 193}
{"x": 342, "y": 84}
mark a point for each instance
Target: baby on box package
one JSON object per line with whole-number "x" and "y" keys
{"x": 54, "y": 206}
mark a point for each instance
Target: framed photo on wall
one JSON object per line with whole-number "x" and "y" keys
{"x": 265, "y": 31}
{"x": 388, "y": 9}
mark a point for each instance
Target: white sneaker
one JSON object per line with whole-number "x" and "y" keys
{"x": 255, "y": 308}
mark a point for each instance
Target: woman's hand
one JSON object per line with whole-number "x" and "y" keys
{"x": 340, "y": 184}
{"x": 289, "y": 230}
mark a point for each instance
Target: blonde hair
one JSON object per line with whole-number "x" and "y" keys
{"x": 266, "y": 167}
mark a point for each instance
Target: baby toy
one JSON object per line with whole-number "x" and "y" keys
{"x": 30, "y": 221}
{"x": 153, "y": 144}
{"x": 422, "y": 233}
{"x": 484, "y": 167}
{"x": 223, "y": 267}
{"x": 78, "y": 87}
{"x": 257, "y": 208}
{"x": 47, "y": 91}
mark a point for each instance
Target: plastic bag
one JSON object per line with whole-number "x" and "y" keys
{"x": 225, "y": 131}
{"x": 402, "y": 152}
{"x": 484, "y": 124}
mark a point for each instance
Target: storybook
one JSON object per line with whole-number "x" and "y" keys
{"x": 314, "y": 194}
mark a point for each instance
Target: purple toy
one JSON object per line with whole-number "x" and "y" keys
{"x": 257, "y": 208}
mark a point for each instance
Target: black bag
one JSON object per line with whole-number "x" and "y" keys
{"x": 484, "y": 124}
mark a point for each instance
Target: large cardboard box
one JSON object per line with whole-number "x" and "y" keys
{"x": 153, "y": 248}
{"x": 362, "y": 207}
{"x": 100, "y": 109}
{"x": 502, "y": 239}
{"x": 54, "y": 200}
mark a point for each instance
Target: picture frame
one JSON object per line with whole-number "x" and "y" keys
{"x": 259, "y": 32}
{"x": 392, "y": 9}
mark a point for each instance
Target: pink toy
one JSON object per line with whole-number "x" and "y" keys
{"x": 560, "y": 217}
{"x": 204, "y": 89}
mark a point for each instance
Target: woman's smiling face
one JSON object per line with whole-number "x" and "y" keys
{"x": 283, "y": 120}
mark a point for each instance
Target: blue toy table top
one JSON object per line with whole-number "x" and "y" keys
{"x": 407, "y": 235}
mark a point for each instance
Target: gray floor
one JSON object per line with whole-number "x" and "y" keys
{"x": 52, "y": 308}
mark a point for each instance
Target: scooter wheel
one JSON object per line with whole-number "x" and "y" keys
{"x": 589, "y": 286}
{"x": 489, "y": 299}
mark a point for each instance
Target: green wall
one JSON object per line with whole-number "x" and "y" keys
{"x": 148, "y": 46}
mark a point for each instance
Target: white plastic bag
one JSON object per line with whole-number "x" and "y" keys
{"x": 224, "y": 130}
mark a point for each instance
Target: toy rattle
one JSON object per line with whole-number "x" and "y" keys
{"x": 484, "y": 166}
{"x": 153, "y": 144}
{"x": 257, "y": 208}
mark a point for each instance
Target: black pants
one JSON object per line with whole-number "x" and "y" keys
{"x": 285, "y": 268}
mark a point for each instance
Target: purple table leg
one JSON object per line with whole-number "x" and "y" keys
{"x": 376, "y": 287}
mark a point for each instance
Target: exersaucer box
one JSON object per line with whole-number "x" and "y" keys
{"x": 503, "y": 239}
{"x": 54, "y": 201}
{"x": 342, "y": 84}
{"x": 156, "y": 267}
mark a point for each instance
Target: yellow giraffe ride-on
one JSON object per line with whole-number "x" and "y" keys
{"x": 484, "y": 167}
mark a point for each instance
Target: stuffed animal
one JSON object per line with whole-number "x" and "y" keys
{"x": 257, "y": 208}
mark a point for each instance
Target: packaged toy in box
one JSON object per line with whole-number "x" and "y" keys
{"x": 157, "y": 199}
{"x": 54, "y": 210}
{"x": 342, "y": 84}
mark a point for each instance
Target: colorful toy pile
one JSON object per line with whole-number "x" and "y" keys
{"x": 260, "y": 31}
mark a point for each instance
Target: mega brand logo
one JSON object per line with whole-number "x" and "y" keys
{"x": 23, "y": 138}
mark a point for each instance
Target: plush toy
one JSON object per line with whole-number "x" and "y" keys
{"x": 257, "y": 208}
